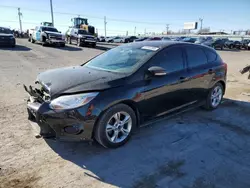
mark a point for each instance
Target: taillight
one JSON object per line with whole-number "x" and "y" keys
{"x": 224, "y": 65}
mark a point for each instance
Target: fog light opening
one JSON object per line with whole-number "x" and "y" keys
{"x": 72, "y": 129}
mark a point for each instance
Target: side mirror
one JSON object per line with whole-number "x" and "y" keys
{"x": 157, "y": 71}
{"x": 59, "y": 31}
{"x": 39, "y": 30}
{"x": 76, "y": 33}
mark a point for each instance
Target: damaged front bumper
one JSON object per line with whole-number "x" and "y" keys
{"x": 70, "y": 125}
{"x": 56, "y": 41}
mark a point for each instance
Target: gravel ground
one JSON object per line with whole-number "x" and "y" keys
{"x": 197, "y": 149}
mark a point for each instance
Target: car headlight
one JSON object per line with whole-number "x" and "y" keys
{"x": 72, "y": 101}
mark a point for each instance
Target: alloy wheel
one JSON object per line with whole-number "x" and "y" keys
{"x": 118, "y": 127}
{"x": 216, "y": 96}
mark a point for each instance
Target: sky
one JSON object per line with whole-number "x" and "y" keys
{"x": 132, "y": 16}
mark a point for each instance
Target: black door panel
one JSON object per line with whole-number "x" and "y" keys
{"x": 163, "y": 93}
{"x": 199, "y": 71}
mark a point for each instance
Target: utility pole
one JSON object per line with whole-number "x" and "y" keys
{"x": 167, "y": 27}
{"x": 201, "y": 20}
{"x": 105, "y": 23}
{"x": 51, "y": 10}
{"x": 145, "y": 31}
{"x": 20, "y": 22}
{"x": 135, "y": 31}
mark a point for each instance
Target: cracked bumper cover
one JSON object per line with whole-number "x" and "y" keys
{"x": 55, "y": 41}
{"x": 71, "y": 125}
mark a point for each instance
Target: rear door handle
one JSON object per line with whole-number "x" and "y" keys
{"x": 183, "y": 79}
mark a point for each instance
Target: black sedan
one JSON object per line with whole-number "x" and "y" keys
{"x": 141, "y": 39}
{"x": 130, "y": 39}
{"x": 232, "y": 44}
{"x": 7, "y": 38}
{"x": 216, "y": 44}
{"x": 113, "y": 94}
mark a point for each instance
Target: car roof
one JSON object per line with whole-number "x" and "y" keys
{"x": 4, "y": 27}
{"x": 159, "y": 44}
{"x": 47, "y": 26}
{"x": 163, "y": 44}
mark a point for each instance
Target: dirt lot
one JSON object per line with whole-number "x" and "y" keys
{"x": 197, "y": 149}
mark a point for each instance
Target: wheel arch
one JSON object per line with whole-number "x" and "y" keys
{"x": 223, "y": 84}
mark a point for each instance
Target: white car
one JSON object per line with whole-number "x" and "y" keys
{"x": 118, "y": 39}
{"x": 248, "y": 46}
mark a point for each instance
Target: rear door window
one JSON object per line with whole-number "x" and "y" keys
{"x": 195, "y": 56}
{"x": 171, "y": 59}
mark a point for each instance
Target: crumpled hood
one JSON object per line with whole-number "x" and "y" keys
{"x": 78, "y": 79}
{"x": 54, "y": 33}
{"x": 89, "y": 36}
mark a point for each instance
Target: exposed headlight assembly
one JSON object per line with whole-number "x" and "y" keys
{"x": 72, "y": 101}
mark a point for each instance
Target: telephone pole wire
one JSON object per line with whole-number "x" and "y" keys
{"x": 105, "y": 23}
{"x": 20, "y": 21}
{"x": 51, "y": 10}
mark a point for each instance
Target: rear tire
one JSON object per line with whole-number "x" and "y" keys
{"x": 32, "y": 40}
{"x": 107, "y": 128}
{"x": 211, "y": 103}
{"x": 94, "y": 45}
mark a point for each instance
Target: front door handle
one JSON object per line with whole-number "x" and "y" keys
{"x": 210, "y": 71}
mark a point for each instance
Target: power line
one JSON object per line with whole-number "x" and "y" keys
{"x": 91, "y": 16}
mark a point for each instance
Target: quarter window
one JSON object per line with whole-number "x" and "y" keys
{"x": 195, "y": 56}
{"x": 211, "y": 56}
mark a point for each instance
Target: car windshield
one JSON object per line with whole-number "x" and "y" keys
{"x": 49, "y": 29}
{"x": 5, "y": 30}
{"x": 83, "y": 32}
{"x": 124, "y": 59}
{"x": 201, "y": 39}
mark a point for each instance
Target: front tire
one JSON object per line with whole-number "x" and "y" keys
{"x": 79, "y": 43}
{"x": 214, "y": 97}
{"x": 68, "y": 40}
{"x": 32, "y": 40}
{"x": 115, "y": 126}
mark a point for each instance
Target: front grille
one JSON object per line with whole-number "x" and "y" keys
{"x": 56, "y": 37}
{"x": 5, "y": 39}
